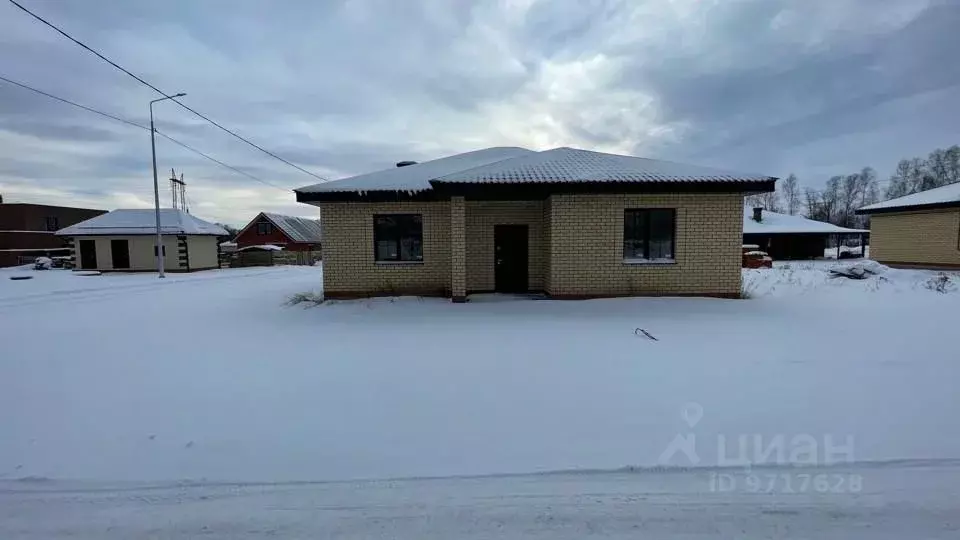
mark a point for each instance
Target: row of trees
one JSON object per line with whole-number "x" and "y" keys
{"x": 838, "y": 201}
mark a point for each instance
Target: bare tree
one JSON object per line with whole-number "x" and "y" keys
{"x": 791, "y": 195}
{"x": 815, "y": 207}
{"x": 768, "y": 201}
{"x": 941, "y": 167}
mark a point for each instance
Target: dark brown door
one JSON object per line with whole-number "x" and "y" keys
{"x": 88, "y": 254}
{"x": 510, "y": 258}
{"x": 120, "y": 251}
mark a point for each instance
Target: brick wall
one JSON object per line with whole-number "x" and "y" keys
{"x": 586, "y": 236}
{"x": 482, "y": 216}
{"x": 575, "y": 246}
{"x": 348, "y": 258}
{"x": 458, "y": 251}
{"x": 926, "y": 238}
{"x": 547, "y": 243}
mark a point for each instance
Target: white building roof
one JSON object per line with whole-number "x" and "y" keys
{"x": 298, "y": 229}
{"x": 944, "y": 195}
{"x": 519, "y": 165}
{"x": 143, "y": 221}
{"x": 774, "y": 223}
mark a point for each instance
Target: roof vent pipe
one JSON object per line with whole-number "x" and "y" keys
{"x": 758, "y": 214}
{"x": 405, "y": 163}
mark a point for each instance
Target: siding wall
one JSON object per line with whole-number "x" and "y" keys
{"x": 203, "y": 252}
{"x": 141, "y": 252}
{"x": 927, "y": 238}
{"x": 202, "y": 249}
{"x": 349, "y": 268}
{"x": 482, "y": 216}
{"x": 586, "y": 258}
{"x": 250, "y": 237}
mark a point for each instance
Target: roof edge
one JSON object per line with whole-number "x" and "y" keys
{"x": 907, "y": 208}
{"x": 537, "y": 190}
{"x": 151, "y": 233}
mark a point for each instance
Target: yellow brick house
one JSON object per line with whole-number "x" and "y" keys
{"x": 565, "y": 222}
{"x": 921, "y": 230}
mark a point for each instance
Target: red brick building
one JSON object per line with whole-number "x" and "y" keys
{"x": 27, "y": 230}
{"x": 289, "y": 232}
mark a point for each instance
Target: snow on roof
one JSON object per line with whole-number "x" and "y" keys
{"x": 575, "y": 165}
{"x": 297, "y": 229}
{"x": 416, "y": 177}
{"x": 143, "y": 221}
{"x": 774, "y": 223}
{"x": 941, "y": 195}
{"x": 261, "y": 247}
{"x": 518, "y": 165}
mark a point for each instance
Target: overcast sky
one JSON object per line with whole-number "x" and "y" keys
{"x": 341, "y": 87}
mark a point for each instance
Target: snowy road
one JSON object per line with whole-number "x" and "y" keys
{"x": 906, "y": 500}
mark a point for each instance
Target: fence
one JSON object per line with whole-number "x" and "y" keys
{"x": 241, "y": 259}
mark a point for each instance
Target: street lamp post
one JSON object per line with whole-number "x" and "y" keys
{"x": 156, "y": 186}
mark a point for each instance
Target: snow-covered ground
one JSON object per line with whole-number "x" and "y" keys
{"x": 898, "y": 501}
{"x": 212, "y": 378}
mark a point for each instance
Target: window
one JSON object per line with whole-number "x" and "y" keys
{"x": 53, "y": 223}
{"x": 264, "y": 227}
{"x": 648, "y": 235}
{"x": 398, "y": 237}
{"x": 163, "y": 248}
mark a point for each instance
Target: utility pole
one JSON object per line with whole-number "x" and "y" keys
{"x": 178, "y": 188}
{"x": 156, "y": 185}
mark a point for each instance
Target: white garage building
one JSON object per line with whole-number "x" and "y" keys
{"x": 124, "y": 241}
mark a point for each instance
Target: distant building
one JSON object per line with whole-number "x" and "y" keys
{"x": 28, "y": 230}
{"x": 125, "y": 241}
{"x": 921, "y": 230}
{"x": 786, "y": 237}
{"x": 289, "y": 232}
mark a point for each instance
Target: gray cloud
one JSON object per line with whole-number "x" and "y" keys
{"x": 774, "y": 86}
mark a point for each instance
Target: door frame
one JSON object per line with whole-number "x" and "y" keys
{"x": 513, "y": 284}
{"x": 92, "y": 251}
{"x": 113, "y": 253}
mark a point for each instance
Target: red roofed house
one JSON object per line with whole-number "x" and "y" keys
{"x": 289, "y": 232}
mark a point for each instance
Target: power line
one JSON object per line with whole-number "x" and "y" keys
{"x": 161, "y": 92}
{"x": 145, "y": 128}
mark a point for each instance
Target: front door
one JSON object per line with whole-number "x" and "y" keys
{"x": 88, "y": 254}
{"x": 120, "y": 251}
{"x": 510, "y": 258}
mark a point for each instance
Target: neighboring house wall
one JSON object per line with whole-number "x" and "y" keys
{"x": 27, "y": 227}
{"x": 30, "y": 240}
{"x": 250, "y": 237}
{"x": 141, "y": 252}
{"x": 586, "y": 256}
{"x": 481, "y": 217}
{"x": 349, "y": 268}
{"x": 203, "y": 252}
{"x": 923, "y": 238}
{"x": 34, "y": 217}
